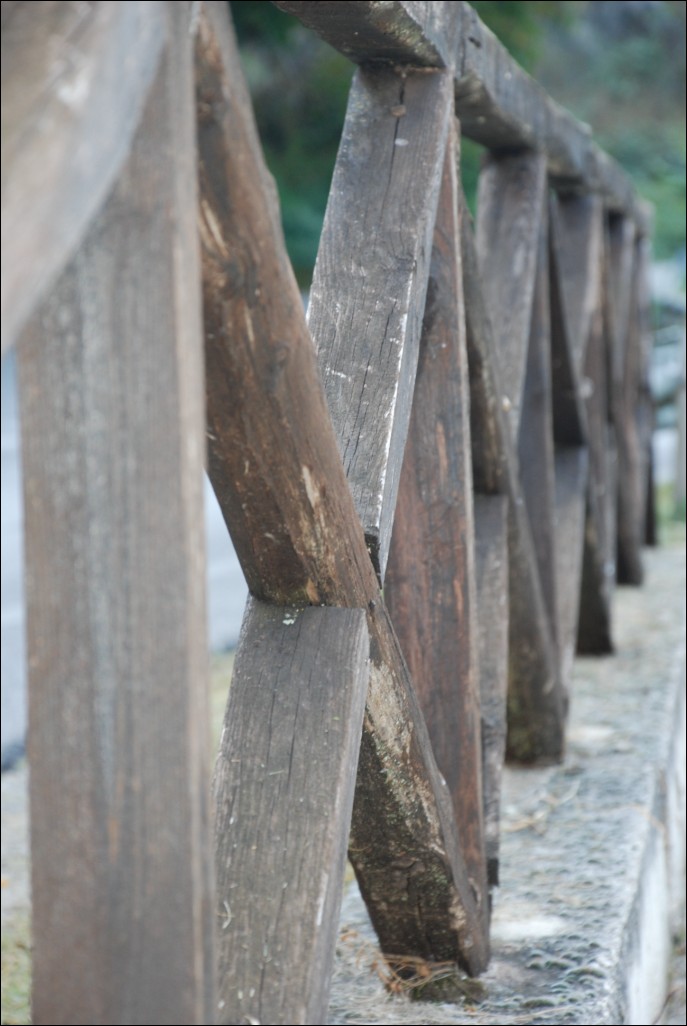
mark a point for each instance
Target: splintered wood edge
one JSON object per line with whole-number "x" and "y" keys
{"x": 284, "y": 786}
{"x": 370, "y": 278}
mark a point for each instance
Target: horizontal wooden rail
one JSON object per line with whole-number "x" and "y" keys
{"x": 499, "y": 104}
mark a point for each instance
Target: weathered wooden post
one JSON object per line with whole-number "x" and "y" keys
{"x": 111, "y": 385}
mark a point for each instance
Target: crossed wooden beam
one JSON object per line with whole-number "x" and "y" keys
{"x": 434, "y": 364}
{"x": 313, "y": 476}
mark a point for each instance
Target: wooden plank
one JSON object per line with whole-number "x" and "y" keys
{"x": 284, "y": 784}
{"x": 510, "y": 207}
{"x": 569, "y": 416}
{"x": 112, "y": 445}
{"x": 386, "y": 33}
{"x": 535, "y": 437}
{"x": 651, "y": 527}
{"x": 572, "y": 468}
{"x": 272, "y": 453}
{"x": 634, "y": 418}
{"x": 577, "y": 233}
{"x": 405, "y": 846}
{"x": 491, "y": 565}
{"x": 430, "y": 582}
{"x": 581, "y": 314}
{"x": 620, "y": 266}
{"x": 68, "y": 117}
{"x": 599, "y": 565}
{"x": 493, "y": 457}
{"x": 631, "y": 463}
{"x": 374, "y": 253}
{"x": 503, "y": 108}
{"x": 536, "y": 705}
{"x": 266, "y": 405}
{"x": 498, "y": 103}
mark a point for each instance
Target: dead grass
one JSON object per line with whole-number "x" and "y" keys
{"x": 16, "y": 970}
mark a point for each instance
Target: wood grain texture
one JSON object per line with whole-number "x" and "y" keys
{"x": 569, "y": 414}
{"x": 577, "y": 234}
{"x": 503, "y": 108}
{"x": 498, "y": 103}
{"x": 510, "y": 209}
{"x": 112, "y": 443}
{"x": 620, "y": 262}
{"x": 599, "y": 564}
{"x": 379, "y": 33}
{"x": 572, "y": 468}
{"x": 494, "y": 461}
{"x": 267, "y": 419}
{"x": 430, "y": 582}
{"x": 272, "y": 453}
{"x": 68, "y": 118}
{"x": 284, "y": 784}
{"x": 405, "y": 845}
{"x": 634, "y": 420}
{"x": 535, "y": 437}
{"x": 374, "y": 258}
{"x": 535, "y": 702}
{"x": 581, "y": 359}
{"x": 537, "y": 706}
{"x": 491, "y": 575}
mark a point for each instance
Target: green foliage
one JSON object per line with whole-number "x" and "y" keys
{"x": 619, "y": 66}
{"x": 520, "y": 26}
{"x": 655, "y": 157}
{"x": 670, "y": 516}
{"x": 299, "y": 87}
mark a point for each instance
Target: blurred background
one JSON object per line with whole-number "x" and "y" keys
{"x": 618, "y": 65}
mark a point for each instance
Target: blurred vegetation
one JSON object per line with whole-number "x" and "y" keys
{"x": 299, "y": 87}
{"x": 16, "y": 969}
{"x": 670, "y": 517}
{"x": 621, "y": 67}
{"x": 618, "y": 65}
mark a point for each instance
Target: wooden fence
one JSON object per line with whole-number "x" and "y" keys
{"x": 462, "y": 419}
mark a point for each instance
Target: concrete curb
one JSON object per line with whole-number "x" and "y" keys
{"x": 593, "y": 851}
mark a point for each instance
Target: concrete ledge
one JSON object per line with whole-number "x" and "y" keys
{"x": 593, "y": 851}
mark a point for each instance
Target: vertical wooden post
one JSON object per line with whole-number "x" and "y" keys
{"x": 113, "y": 441}
{"x": 570, "y": 432}
{"x": 512, "y": 189}
{"x": 374, "y": 256}
{"x": 535, "y": 436}
{"x": 491, "y": 569}
{"x": 577, "y": 250}
{"x": 536, "y": 712}
{"x": 430, "y": 583}
{"x": 572, "y": 471}
{"x": 633, "y": 416}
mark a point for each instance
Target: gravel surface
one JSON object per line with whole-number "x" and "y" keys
{"x": 573, "y": 838}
